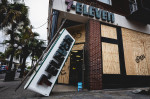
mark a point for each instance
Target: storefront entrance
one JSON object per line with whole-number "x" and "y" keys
{"x": 72, "y": 72}
{"x": 76, "y": 63}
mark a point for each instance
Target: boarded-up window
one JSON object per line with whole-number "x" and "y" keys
{"x": 108, "y": 32}
{"x": 78, "y": 32}
{"x": 78, "y": 47}
{"x": 137, "y": 52}
{"x": 64, "y": 74}
{"x": 110, "y": 57}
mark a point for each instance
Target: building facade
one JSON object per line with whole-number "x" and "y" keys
{"x": 112, "y": 42}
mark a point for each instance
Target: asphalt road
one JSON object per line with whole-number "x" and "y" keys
{"x": 2, "y": 76}
{"x": 7, "y": 91}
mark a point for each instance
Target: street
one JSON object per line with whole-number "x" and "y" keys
{"x": 7, "y": 91}
{"x": 2, "y": 76}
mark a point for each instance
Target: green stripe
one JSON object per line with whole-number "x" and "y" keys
{"x": 64, "y": 63}
{"x": 45, "y": 59}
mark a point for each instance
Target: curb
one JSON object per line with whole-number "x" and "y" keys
{"x": 5, "y": 88}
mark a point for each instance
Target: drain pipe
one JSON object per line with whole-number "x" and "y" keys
{"x": 54, "y": 23}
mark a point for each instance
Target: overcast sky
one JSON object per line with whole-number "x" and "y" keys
{"x": 38, "y": 14}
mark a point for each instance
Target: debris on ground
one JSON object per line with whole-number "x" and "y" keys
{"x": 142, "y": 91}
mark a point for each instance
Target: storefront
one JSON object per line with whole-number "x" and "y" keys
{"x": 110, "y": 51}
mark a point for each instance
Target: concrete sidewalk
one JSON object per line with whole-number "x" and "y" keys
{"x": 7, "y": 91}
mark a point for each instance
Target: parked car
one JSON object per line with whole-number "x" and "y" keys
{"x": 19, "y": 70}
{"x": 3, "y": 68}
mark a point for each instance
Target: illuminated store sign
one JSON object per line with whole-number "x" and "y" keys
{"x": 43, "y": 79}
{"x": 90, "y": 11}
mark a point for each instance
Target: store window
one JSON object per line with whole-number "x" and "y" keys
{"x": 105, "y": 1}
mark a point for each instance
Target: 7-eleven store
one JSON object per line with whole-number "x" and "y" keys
{"x": 110, "y": 50}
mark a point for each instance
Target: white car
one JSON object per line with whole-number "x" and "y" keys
{"x": 19, "y": 70}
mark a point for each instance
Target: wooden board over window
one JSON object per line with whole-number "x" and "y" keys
{"x": 64, "y": 74}
{"x": 78, "y": 32}
{"x": 108, "y": 32}
{"x": 110, "y": 57}
{"x": 78, "y": 47}
{"x": 137, "y": 52}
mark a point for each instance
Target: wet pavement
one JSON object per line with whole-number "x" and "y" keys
{"x": 2, "y": 75}
{"x": 7, "y": 91}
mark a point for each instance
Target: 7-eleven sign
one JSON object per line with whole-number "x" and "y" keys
{"x": 43, "y": 79}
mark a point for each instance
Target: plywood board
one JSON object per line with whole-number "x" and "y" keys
{"x": 64, "y": 74}
{"x": 111, "y": 64}
{"x": 108, "y": 32}
{"x": 78, "y": 47}
{"x": 135, "y": 45}
{"x": 147, "y": 53}
{"x": 78, "y": 32}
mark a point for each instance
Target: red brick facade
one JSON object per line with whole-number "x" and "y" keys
{"x": 93, "y": 55}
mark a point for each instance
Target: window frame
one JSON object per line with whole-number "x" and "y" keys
{"x": 110, "y": 2}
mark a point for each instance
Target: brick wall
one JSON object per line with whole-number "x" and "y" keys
{"x": 93, "y": 55}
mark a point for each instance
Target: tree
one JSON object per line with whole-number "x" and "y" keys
{"x": 31, "y": 46}
{"x": 36, "y": 49}
{"x": 24, "y": 40}
{"x": 2, "y": 56}
{"x": 12, "y": 16}
{"x": 14, "y": 19}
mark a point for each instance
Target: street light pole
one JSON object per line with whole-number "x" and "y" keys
{"x": 10, "y": 74}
